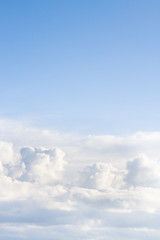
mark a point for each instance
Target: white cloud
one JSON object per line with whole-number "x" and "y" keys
{"x": 42, "y": 165}
{"x": 143, "y": 171}
{"x": 103, "y": 188}
{"x": 6, "y": 153}
{"x": 101, "y": 176}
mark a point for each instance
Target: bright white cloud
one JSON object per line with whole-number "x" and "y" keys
{"x": 143, "y": 171}
{"x": 42, "y": 165}
{"x": 100, "y": 188}
{"x": 101, "y": 176}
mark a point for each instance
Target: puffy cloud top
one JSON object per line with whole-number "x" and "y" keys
{"x": 42, "y": 165}
{"x": 101, "y": 176}
{"x": 143, "y": 171}
{"x": 102, "y": 188}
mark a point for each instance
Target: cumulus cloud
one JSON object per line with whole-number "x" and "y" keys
{"x": 101, "y": 176}
{"x": 6, "y": 153}
{"x": 95, "y": 187}
{"x": 42, "y": 165}
{"x": 143, "y": 171}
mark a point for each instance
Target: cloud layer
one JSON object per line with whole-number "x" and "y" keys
{"x": 93, "y": 187}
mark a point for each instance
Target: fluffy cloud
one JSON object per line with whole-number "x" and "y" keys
{"x": 102, "y": 188}
{"x": 101, "y": 176}
{"x": 42, "y": 165}
{"x": 143, "y": 171}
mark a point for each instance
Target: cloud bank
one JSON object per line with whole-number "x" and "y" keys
{"x": 83, "y": 187}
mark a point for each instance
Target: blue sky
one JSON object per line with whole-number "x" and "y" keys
{"x": 79, "y": 119}
{"x": 83, "y": 66}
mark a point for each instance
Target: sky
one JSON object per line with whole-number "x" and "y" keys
{"x": 81, "y": 66}
{"x": 79, "y": 120}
